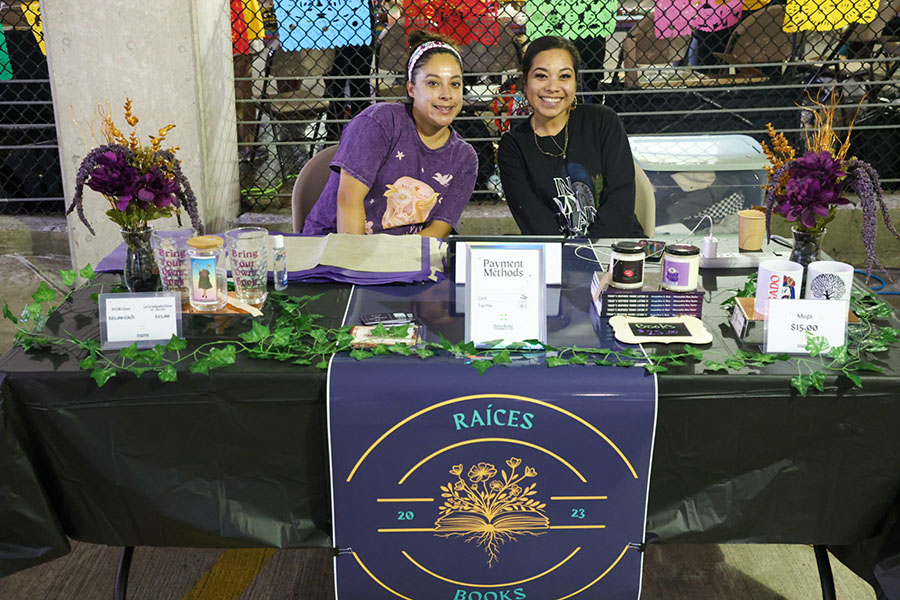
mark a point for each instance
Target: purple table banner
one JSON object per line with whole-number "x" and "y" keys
{"x": 524, "y": 482}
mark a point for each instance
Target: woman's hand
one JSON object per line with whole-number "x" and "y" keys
{"x": 351, "y": 211}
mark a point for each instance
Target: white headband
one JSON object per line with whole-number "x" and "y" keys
{"x": 422, "y": 49}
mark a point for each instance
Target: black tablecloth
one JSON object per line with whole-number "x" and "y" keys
{"x": 239, "y": 458}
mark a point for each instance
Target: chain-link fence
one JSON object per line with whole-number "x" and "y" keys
{"x": 30, "y": 178}
{"x": 666, "y": 66}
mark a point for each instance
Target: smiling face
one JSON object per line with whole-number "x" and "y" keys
{"x": 550, "y": 85}
{"x": 436, "y": 92}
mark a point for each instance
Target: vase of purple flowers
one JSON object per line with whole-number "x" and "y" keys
{"x": 807, "y": 190}
{"x": 140, "y": 183}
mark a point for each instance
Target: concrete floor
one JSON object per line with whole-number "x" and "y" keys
{"x": 735, "y": 572}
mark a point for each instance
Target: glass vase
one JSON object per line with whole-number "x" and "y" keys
{"x": 140, "y": 273}
{"x": 807, "y": 246}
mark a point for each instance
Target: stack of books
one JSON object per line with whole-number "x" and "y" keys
{"x": 648, "y": 301}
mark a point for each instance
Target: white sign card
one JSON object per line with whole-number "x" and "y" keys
{"x": 505, "y": 293}
{"x": 148, "y": 318}
{"x": 788, "y": 321}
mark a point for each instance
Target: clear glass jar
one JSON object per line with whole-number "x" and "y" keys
{"x": 209, "y": 282}
{"x": 627, "y": 265}
{"x": 680, "y": 268}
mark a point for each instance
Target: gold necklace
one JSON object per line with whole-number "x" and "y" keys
{"x": 562, "y": 149}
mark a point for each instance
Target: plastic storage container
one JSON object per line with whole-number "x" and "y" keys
{"x": 696, "y": 175}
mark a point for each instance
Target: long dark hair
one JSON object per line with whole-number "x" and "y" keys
{"x": 419, "y": 37}
{"x": 549, "y": 42}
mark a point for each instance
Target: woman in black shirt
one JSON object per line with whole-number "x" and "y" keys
{"x": 568, "y": 167}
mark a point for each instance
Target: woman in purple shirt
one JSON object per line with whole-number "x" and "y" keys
{"x": 400, "y": 168}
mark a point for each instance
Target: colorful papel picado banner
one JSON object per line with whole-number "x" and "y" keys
{"x": 827, "y": 15}
{"x": 318, "y": 24}
{"x": 524, "y": 482}
{"x": 463, "y": 21}
{"x": 573, "y": 19}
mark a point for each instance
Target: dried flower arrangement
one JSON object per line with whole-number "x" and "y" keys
{"x": 807, "y": 190}
{"x": 140, "y": 182}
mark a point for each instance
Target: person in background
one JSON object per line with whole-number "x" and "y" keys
{"x": 568, "y": 167}
{"x": 401, "y": 168}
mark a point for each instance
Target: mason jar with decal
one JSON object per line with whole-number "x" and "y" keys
{"x": 208, "y": 274}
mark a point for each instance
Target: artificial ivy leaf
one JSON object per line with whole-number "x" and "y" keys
{"x": 817, "y": 379}
{"x": 258, "y": 332}
{"x": 652, "y": 368}
{"x": 696, "y": 353}
{"x": 603, "y": 362}
{"x": 401, "y": 349}
{"x": 399, "y": 331}
{"x": 222, "y": 357}
{"x": 44, "y": 293}
{"x": 555, "y": 361}
{"x": 360, "y": 354}
{"x": 283, "y": 336}
{"x": 343, "y": 339}
{"x": 734, "y": 363}
{"x": 601, "y": 351}
{"x": 467, "y": 348}
{"x": 676, "y": 362}
{"x": 632, "y": 353}
{"x": 714, "y": 366}
{"x": 319, "y": 335}
{"x": 502, "y": 357}
{"x": 801, "y": 384}
{"x": 875, "y": 347}
{"x": 102, "y": 374}
{"x": 168, "y": 374}
{"x": 515, "y": 346}
{"x": 138, "y": 371}
{"x": 129, "y": 352}
{"x": 302, "y": 361}
{"x": 840, "y": 354}
{"x": 153, "y": 356}
{"x": 577, "y": 359}
{"x": 380, "y": 331}
{"x": 625, "y": 363}
{"x": 88, "y": 362}
{"x": 95, "y": 297}
{"x": 445, "y": 343}
{"x": 200, "y": 366}
{"x": 87, "y": 272}
{"x": 8, "y": 314}
{"x": 816, "y": 344}
{"x": 863, "y": 366}
{"x": 322, "y": 364}
{"x": 176, "y": 343}
{"x": 534, "y": 342}
{"x": 67, "y": 276}
{"x": 482, "y": 365}
{"x": 856, "y": 379}
{"x": 889, "y": 335}
{"x": 424, "y": 353}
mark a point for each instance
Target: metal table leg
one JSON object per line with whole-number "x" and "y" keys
{"x": 121, "y": 588}
{"x": 826, "y": 578}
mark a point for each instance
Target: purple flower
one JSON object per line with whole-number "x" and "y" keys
{"x": 814, "y": 187}
{"x": 113, "y": 176}
{"x": 156, "y": 189}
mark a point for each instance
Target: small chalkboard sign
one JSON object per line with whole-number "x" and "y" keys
{"x": 641, "y": 328}
{"x": 659, "y": 330}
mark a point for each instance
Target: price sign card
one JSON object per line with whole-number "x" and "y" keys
{"x": 505, "y": 294}
{"x": 788, "y": 322}
{"x": 148, "y": 318}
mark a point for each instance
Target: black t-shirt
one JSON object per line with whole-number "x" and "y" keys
{"x": 589, "y": 192}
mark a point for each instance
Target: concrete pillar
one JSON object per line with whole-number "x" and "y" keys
{"x": 173, "y": 58}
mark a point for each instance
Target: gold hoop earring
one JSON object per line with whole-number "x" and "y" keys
{"x": 574, "y": 104}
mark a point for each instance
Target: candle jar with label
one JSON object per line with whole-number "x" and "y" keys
{"x": 208, "y": 273}
{"x": 627, "y": 265}
{"x": 680, "y": 268}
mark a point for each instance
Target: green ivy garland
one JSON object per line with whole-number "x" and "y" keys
{"x": 298, "y": 337}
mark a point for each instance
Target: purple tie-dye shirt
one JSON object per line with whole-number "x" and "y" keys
{"x": 409, "y": 183}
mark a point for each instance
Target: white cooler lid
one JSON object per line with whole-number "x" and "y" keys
{"x": 729, "y": 152}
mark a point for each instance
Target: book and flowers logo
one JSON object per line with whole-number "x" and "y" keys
{"x": 491, "y": 510}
